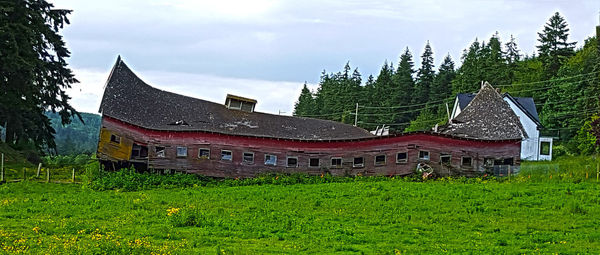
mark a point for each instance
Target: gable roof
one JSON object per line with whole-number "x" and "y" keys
{"x": 129, "y": 99}
{"x": 526, "y": 104}
{"x": 487, "y": 117}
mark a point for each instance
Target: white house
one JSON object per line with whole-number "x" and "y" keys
{"x": 534, "y": 147}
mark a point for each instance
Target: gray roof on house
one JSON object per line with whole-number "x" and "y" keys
{"x": 487, "y": 117}
{"x": 129, "y": 99}
{"x": 526, "y": 104}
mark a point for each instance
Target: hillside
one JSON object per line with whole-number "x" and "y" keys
{"x": 77, "y": 137}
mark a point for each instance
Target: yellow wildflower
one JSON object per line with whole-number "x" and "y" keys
{"x": 172, "y": 211}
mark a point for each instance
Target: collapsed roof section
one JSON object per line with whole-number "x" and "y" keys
{"x": 129, "y": 99}
{"x": 486, "y": 117}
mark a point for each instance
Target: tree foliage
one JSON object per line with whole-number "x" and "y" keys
{"x": 33, "y": 72}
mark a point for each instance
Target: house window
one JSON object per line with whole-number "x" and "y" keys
{"x": 359, "y": 162}
{"x": 336, "y": 162}
{"x": 292, "y": 161}
{"x": 402, "y": 157}
{"x": 466, "y": 161}
{"x": 445, "y": 159}
{"x": 235, "y": 104}
{"x": 314, "y": 162}
{"x": 424, "y": 155}
{"x": 181, "y": 151}
{"x": 204, "y": 153}
{"x": 545, "y": 148}
{"x": 380, "y": 160}
{"x": 270, "y": 160}
{"x": 226, "y": 155}
{"x": 248, "y": 158}
{"x": 160, "y": 151}
{"x": 115, "y": 139}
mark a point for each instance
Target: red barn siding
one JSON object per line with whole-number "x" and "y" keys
{"x": 367, "y": 148}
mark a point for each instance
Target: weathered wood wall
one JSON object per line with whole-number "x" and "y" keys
{"x": 436, "y": 145}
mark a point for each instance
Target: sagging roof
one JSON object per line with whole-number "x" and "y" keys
{"x": 131, "y": 100}
{"x": 486, "y": 117}
{"x": 526, "y": 104}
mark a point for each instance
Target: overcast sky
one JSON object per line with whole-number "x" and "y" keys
{"x": 267, "y": 49}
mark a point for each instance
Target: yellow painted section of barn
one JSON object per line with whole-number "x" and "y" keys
{"x": 112, "y": 150}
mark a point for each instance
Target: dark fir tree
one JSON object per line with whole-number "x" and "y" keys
{"x": 494, "y": 65}
{"x": 442, "y": 85}
{"x": 384, "y": 89}
{"x": 469, "y": 75}
{"x": 405, "y": 84}
{"x": 554, "y": 48}
{"x": 33, "y": 71}
{"x": 512, "y": 56}
{"x": 306, "y": 103}
{"x": 425, "y": 76}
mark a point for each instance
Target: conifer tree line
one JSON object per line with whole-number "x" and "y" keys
{"x": 562, "y": 80}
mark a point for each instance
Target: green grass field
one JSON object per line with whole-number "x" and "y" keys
{"x": 528, "y": 214}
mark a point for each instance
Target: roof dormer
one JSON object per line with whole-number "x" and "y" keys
{"x": 240, "y": 103}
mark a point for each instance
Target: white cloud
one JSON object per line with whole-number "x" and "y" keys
{"x": 272, "y": 96}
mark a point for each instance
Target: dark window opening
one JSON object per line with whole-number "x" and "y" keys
{"x": 402, "y": 157}
{"x": 292, "y": 162}
{"x": 336, "y": 162}
{"x": 488, "y": 162}
{"x": 139, "y": 151}
{"x": 508, "y": 161}
{"x": 424, "y": 155}
{"x": 545, "y": 148}
{"x": 115, "y": 139}
{"x": 204, "y": 153}
{"x": 313, "y": 162}
{"x": 445, "y": 159}
{"x": 466, "y": 161}
{"x": 248, "y": 158}
{"x": 359, "y": 162}
{"x": 160, "y": 151}
{"x": 380, "y": 160}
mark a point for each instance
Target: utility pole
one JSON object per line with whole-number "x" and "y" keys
{"x": 356, "y": 116}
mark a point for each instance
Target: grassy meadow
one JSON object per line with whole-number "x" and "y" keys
{"x": 530, "y": 213}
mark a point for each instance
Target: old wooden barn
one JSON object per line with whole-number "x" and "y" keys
{"x": 156, "y": 130}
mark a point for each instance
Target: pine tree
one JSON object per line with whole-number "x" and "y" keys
{"x": 554, "y": 48}
{"x": 512, "y": 56}
{"x": 469, "y": 75}
{"x": 383, "y": 93}
{"x": 425, "y": 76}
{"x": 442, "y": 85}
{"x": 33, "y": 71}
{"x": 405, "y": 89}
{"x": 305, "y": 104}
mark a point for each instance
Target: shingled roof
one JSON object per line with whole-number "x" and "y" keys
{"x": 129, "y": 99}
{"x": 526, "y": 104}
{"x": 486, "y": 117}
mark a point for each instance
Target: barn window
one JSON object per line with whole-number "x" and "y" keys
{"x": 115, "y": 139}
{"x": 445, "y": 159}
{"x": 204, "y": 153}
{"x": 336, "y": 162}
{"x": 181, "y": 151}
{"x": 314, "y": 162}
{"x": 292, "y": 161}
{"x": 508, "y": 161}
{"x": 424, "y": 155}
{"x": 466, "y": 161}
{"x": 545, "y": 148}
{"x": 226, "y": 155}
{"x": 380, "y": 160}
{"x": 160, "y": 151}
{"x": 359, "y": 162}
{"x": 402, "y": 157}
{"x": 488, "y": 162}
{"x": 270, "y": 159}
{"x": 248, "y": 158}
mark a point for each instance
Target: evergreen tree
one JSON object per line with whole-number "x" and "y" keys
{"x": 512, "y": 56}
{"x": 469, "y": 75}
{"x": 384, "y": 88}
{"x": 425, "y": 76}
{"x": 442, "y": 85}
{"x": 33, "y": 71}
{"x": 554, "y": 48}
{"x": 305, "y": 104}
{"x": 405, "y": 89}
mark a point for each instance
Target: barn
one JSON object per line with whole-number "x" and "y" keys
{"x": 160, "y": 131}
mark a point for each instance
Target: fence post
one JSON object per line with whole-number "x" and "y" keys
{"x": 509, "y": 173}
{"x": 2, "y": 169}
{"x": 47, "y": 174}
{"x": 73, "y": 176}
{"x": 37, "y": 175}
{"x": 24, "y": 175}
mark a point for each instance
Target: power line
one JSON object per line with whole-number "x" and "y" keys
{"x": 551, "y": 80}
